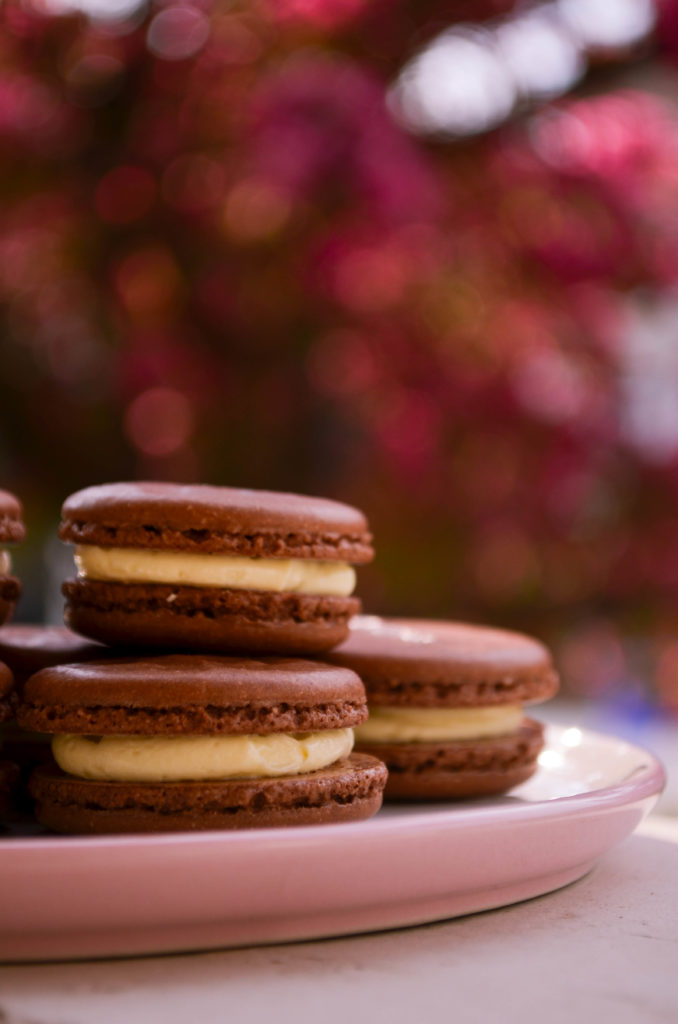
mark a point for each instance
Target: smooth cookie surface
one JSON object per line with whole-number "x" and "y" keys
{"x": 199, "y": 517}
{"x": 193, "y": 695}
{"x": 431, "y": 663}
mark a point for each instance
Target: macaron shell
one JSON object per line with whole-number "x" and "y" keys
{"x": 203, "y": 518}
{"x": 193, "y": 695}
{"x": 206, "y": 618}
{"x": 349, "y": 790}
{"x": 461, "y": 768}
{"x": 428, "y": 663}
{"x": 170, "y": 680}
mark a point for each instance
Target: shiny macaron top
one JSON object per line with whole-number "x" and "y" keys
{"x": 193, "y": 694}
{"x": 203, "y": 518}
{"x": 12, "y": 529}
{"x": 436, "y": 663}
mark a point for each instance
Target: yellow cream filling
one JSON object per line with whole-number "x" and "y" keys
{"x": 199, "y": 758}
{"x": 422, "y": 725}
{"x": 141, "y": 565}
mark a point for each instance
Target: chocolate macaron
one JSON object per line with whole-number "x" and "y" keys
{"x": 182, "y": 742}
{"x": 12, "y": 531}
{"x": 446, "y": 704}
{"x": 212, "y": 568}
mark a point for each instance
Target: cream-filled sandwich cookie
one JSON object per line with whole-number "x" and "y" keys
{"x": 212, "y": 568}
{"x": 197, "y": 742}
{"x": 447, "y": 704}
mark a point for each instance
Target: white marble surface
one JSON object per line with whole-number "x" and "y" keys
{"x": 603, "y": 948}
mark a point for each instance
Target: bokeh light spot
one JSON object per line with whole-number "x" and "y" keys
{"x": 324, "y": 14}
{"x": 505, "y": 563}
{"x": 148, "y": 281}
{"x": 159, "y": 421}
{"x": 341, "y": 364}
{"x": 94, "y": 78}
{"x": 667, "y": 675}
{"x": 551, "y": 387}
{"x": 457, "y": 85}
{"x": 254, "y": 210}
{"x": 124, "y": 195}
{"x": 608, "y": 23}
{"x": 192, "y": 183}
{"x": 177, "y": 33}
{"x": 592, "y": 659}
{"x": 97, "y": 10}
{"x": 541, "y": 54}
{"x": 371, "y": 279}
{"x": 237, "y": 42}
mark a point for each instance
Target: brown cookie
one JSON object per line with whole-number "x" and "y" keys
{"x": 123, "y": 605}
{"x": 205, "y": 619}
{"x": 350, "y": 790}
{"x": 174, "y": 696}
{"x": 460, "y": 768}
{"x": 416, "y": 670}
{"x": 192, "y": 694}
{"x": 12, "y": 531}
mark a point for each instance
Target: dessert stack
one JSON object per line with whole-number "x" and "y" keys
{"x": 219, "y": 673}
{"x": 218, "y": 718}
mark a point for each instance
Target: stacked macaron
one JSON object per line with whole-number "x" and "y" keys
{"x": 237, "y": 730}
{"x": 212, "y": 568}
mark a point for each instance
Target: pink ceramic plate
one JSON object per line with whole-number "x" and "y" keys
{"x": 96, "y": 897}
